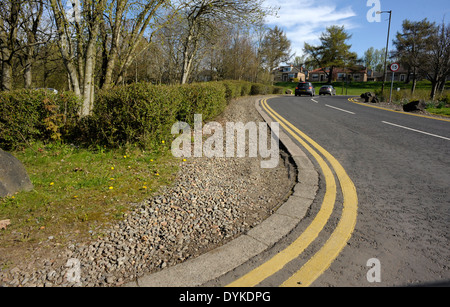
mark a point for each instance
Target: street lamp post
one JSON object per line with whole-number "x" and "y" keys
{"x": 387, "y": 47}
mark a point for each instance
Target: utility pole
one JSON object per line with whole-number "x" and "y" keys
{"x": 387, "y": 47}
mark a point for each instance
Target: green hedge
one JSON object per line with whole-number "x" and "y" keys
{"x": 27, "y": 115}
{"x": 140, "y": 113}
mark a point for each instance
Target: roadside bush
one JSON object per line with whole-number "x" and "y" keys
{"x": 445, "y": 99}
{"x": 136, "y": 114}
{"x": 277, "y": 90}
{"x": 246, "y": 88}
{"x": 130, "y": 114}
{"x": 232, "y": 90}
{"x": 29, "y": 115}
{"x": 260, "y": 89}
{"x": 143, "y": 113}
{"x": 235, "y": 89}
{"x": 208, "y": 99}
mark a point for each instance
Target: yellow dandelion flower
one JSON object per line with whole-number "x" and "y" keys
{"x": 111, "y": 188}
{"x": 52, "y": 183}
{"x": 162, "y": 142}
{"x": 125, "y": 157}
{"x": 112, "y": 167}
{"x": 144, "y": 187}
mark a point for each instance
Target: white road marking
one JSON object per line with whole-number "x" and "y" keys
{"x": 339, "y": 109}
{"x": 415, "y": 130}
{"x": 314, "y": 101}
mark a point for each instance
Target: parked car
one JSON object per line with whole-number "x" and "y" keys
{"x": 305, "y": 88}
{"x": 327, "y": 90}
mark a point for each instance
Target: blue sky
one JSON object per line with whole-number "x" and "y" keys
{"x": 304, "y": 20}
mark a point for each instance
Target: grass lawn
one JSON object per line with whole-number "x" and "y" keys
{"x": 439, "y": 111}
{"x": 79, "y": 191}
{"x": 357, "y": 88}
{"x": 354, "y": 88}
{"x": 423, "y": 89}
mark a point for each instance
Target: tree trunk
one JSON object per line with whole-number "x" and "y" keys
{"x": 434, "y": 88}
{"x": 7, "y": 43}
{"x": 106, "y": 82}
{"x": 188, "y": 58}
{"x": 330, "y": 75}
{"x": 27, "y": 74}
{"x": 89, "y": 68}
{"x": 6, "y": 74}
{"x": 414, "y": 83}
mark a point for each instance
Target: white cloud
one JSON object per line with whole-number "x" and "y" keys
{"x": 304, "y": 20}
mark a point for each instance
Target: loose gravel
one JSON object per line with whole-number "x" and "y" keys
{"x": 212, "y": 201}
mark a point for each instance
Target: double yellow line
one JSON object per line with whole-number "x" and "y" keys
{"x": 318, "y": 263}
{"x": 352, "y": 99}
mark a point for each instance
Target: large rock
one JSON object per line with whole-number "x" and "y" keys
{"x": 370, "y": 97}
{"x": 13, "y": 176}
{"x": 413, "y": 106}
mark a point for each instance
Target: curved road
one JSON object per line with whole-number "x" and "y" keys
{"x": 400, "y": 166}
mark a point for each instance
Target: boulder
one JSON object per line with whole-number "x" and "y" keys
{"x": 288, "y": 92}
{"x": 13, "y": 176}
{"x": 413, "y": 106}
{"x": 370, "y": 97}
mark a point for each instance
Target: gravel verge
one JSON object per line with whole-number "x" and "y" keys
{"x": 211, "y": 202}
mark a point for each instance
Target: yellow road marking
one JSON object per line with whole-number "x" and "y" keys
{"x": 338, "y": 239}
{"x": 342, "y": 233}
{"x": 352, "y": 99}
{"x": 276, "y": 263}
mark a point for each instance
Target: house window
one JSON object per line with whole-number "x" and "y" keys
{"x": 356, "y": 77}
{"x": 315, "y": 76}
{"x": 402, "y": 78}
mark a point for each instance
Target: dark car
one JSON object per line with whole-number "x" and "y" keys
{"x": 327, "y": 90}
{"x": 305, "y": 88}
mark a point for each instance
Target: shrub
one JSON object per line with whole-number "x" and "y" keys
{"x": 143, "y": 113}
{"x": 259, "y": 89}
{"x": 246, "y": 88}
{"x": 29, "y": 115}
{"x": 137, "y": 114}
{"x": 277, "y": 90}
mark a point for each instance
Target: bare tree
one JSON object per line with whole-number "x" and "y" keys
{"x": 79, "y": 54}
{"x": 437, "y": 65}
{"x": 32, "y": 12}
{"x": 127, "y": 21}
{"x": 9, "y": 27}
{"x": 200, "y": 17}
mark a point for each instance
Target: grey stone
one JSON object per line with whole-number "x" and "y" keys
{"x": 13, "y": 176}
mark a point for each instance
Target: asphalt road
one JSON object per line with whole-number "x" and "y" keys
{"x": 400, "y": 166}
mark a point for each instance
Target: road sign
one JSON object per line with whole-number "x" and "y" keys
{"x": 395, "y": 67}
